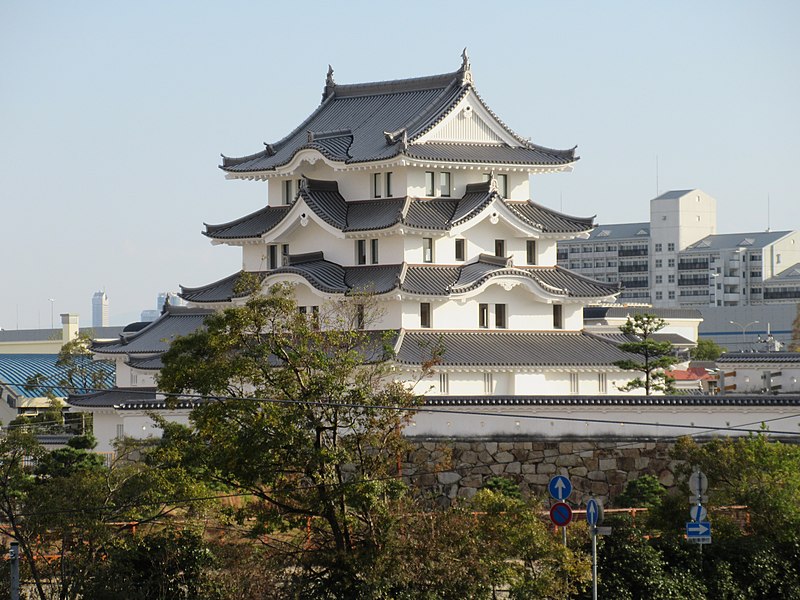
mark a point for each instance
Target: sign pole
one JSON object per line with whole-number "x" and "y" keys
{"x": 13, "y": 555}
{"x": 564, "y": 535}
{"x": 594, "y": 562}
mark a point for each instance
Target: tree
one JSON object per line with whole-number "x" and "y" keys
{"x": 644, "y": 492}
{"x": 655, "y": 356}
{"x": 300, "y": 414}
{"x": 79, "y": 371}
{"x": 707, "y": 349}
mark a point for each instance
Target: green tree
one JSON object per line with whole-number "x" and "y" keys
{"x": 644, "y": 492}
{"x": 79, "y": 371}
{"x": 707, "y": 349}
{"x": 655, "y": 356}
{"x": 302, "y": 416}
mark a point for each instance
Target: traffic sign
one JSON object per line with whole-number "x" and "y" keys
{"x": 561, "y": 514}
{"x": 698, "y": 533}
{"x": 698, "y": 513}
{"x": 594, "y": 512}
{"x": 698, "y": 483}
{"x": 560, "y": 487}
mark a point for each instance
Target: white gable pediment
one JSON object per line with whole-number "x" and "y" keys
{"x": 469, "y": 123}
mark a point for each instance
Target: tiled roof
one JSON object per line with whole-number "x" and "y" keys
{"x": 376, "y": 121}
{"x": 323, "y": 198}
{"x": 138, "y": 398}
{"x": 615, "y": 232}
{"x": 759, "y": 357}
{"x": 670, "y": 400}
{"x": 726, "y": 241}
{"x": 219, "y": 291}
{"x": 175, "y": 321}
{"x": 370, "y": 215}
{"x": 253, "y": 225}
{"x": 430, "y": 213}
{"x": 509, "y": 349}
{"x": 673, "y": 194}
{"x": 427, "y": 280}
{"x": 549, "y": 220}
{"x": 17, "y": 369}
{"x": 146, "y": 364}
{"x": 622, "y": 312}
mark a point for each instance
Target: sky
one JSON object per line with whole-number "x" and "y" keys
{"x": 113, "y": 117}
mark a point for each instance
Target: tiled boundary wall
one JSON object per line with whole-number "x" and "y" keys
{"x": 458, "y": 468}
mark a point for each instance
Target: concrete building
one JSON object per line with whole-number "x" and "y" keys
{"x": 100, "y": 309}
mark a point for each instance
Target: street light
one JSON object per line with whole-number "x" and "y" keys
{"x": 744, "y": 329}
{"x": 52, "y": 312}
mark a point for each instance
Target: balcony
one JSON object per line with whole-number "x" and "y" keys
{"x": 693, "y": 265}
{"x": 636, "y": 251}
{"x": 782, "y": 295}
{"x": 695, "y": 280}
{"x": 636, "y": 283}
{"x": 633, "y": 268}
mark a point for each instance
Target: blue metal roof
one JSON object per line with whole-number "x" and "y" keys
{"x": 17, "y": 369}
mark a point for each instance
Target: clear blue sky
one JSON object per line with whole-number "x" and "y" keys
{"x": 113, "y": 116}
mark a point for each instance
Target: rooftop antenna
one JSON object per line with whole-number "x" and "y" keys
{"x": 768, "y": 215}
{"x": 656, "y": 175}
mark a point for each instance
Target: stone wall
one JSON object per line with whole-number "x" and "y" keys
{"x": 458, "y": 468}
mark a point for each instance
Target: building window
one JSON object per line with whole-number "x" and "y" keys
{"x": 502, "y": 185}
{"x": 361, "y": 252}
{"x": 427, "y": 250}
{"x": 659, "y": 279}
{"x": 671, "y": 247}
{"x": 574, "y": 380}
{"x": 120, "y": 431}
{"x": 288, "y": 191}
{"x": 444, "y": 184}
{"x": 670, "y": 278}
{"x": 389, "y": 185}
{"x": 602, "y": 383}
{"x": 530, "y": 252}
{"x": 284, "y": 254}
{"x": 558, "y": 316}
{"x": 777, "y": 259}
{"x": 134, "y": 379}
{"x": 429, "y": 184}
{"x": 483, "y": 316}
{"x": 671, "y": 263}
{"x": 659, "y": 295}
{"x": 659, "y": 263}
{"x": 499, "y": 247}
{"x": 460, "y": 249}
{"x": 273, "y": 257}
{"x": 671, "y": 294}
{"x": 376, "y": 185}
{"x": 315, "y": 316}
{"x": 302, "y": 309}
{"x": 359, "y": 316}
{"x": 658, "y": 247}
{"x": 444, "y": 383}
{"x": 425, "y": 314}
{"x": 500, "y": 316}
{"x": 374, "y": 251}
{"x": 488, "y": 383}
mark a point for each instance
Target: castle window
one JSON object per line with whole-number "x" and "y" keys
{"x": 361, "y": 252}
{"x": 429, "y": 184}
{"x": 502, "y": 185}
{"x": 499, "y": 247}
{"x": 488, "y": 383}
{"x": 574, "y": 381}
{"x": 500, "y": 316}
{"x": 602, "y": 383}
{"x": 444, "y": 383}
{"x": 530, "y": 252}
{"x": 483, "y": 316}
{"x": 558, "y": 316}
{"x": 427, "y": 250}
{"x": 288, "y": 191}
{"x": 389, "y": 185}
{"x": 460, "y": 249}
{"x": 444, "y": 184}
{"x": 273, "y": 256}
{"x": 284, "y": 254}
{"x": 425, "y": 314}
{"x": 374, "y": 251}
{"x": 376, "y": 185}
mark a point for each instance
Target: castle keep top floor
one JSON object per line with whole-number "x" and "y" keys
{"x": 423, "y": 137}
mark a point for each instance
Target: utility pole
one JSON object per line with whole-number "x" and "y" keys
{"x": 13, "y": 555}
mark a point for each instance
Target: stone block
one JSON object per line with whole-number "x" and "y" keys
{"x": 505, "y": 446}
{"x": 497, "y": 469}
{"x": 467, "y": 492}
{"x": 578, "y": 472}
{"x": 474, "y": 481}
{"x": 513, "y": 467}
{"x": 626, "y": 463}
{"x": 666, "y": 477}
{"x": 565, "y": 448}
{"x": 608, "y": 464}
{"x": 504, "y": 457}
{"x": 617, "y": 477}
{"x": 527, "y": 446}
{"x": 641, "y": 463}
{"x": 491, "y": 447}
{"x": 546, "y": 468}
{"x": 469, "y": 457}
{"x": 535, "y": 455}
{"x": 548, "y": 452}
{"x": 449, "y": 477}
{"x": 528, "y": 468}
{"x": 599, "y": 488}
{"x": 597, "y": 476}
{"x": 537, "y": 479}
{"x": 462, "y": 446}
{"x": 429, "y": 446}
{"x": 484, "y": 457}
{"x": 568, "y": 460}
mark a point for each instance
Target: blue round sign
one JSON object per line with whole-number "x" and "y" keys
{"x": 594, "y": 512}
{"x": 560, "y": 487}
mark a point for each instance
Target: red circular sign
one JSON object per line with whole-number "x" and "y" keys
{"x": 561, "y": 514}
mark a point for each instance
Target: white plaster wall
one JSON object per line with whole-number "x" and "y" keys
{"x": 136, "y": 425}
{"x": 545, "y": 421}
{"x": 748, "y": 378}
{"x": 254, "y": 257}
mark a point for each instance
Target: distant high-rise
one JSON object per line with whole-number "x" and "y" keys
{"x": 100, "y": 309}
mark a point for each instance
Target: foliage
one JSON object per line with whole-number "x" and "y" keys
{"x": 707, "y": 349}
{"x": 655, "y": 356}
{"x": 66, "y": 506}
{"x": 753, "y": 471}
{"x": 79, "y": 371}
{"x": 504, "y": 486}
{"x": 309, "y": 427}
{"x": 644, "y": 492}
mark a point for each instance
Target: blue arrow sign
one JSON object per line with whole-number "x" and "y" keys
{"x": 701, "y": 529}
{"x": 560, "y": 487}
{"x": 593, "y": 512}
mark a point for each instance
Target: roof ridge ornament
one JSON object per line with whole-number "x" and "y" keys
{"x": 493, "y": 183}
{"x": 330, "y": 84}
{"x": 466, "y": 69}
